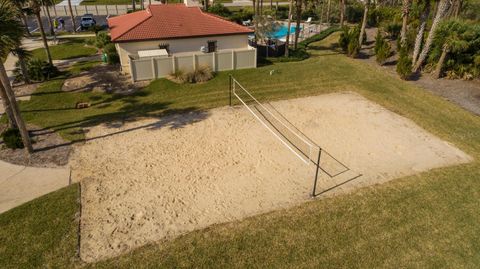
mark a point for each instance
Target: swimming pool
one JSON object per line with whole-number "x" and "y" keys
{"x": 282, "y": 32}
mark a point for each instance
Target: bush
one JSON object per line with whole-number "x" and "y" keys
{"x": 202, "y": 73}
{"x": 382, "y": 48}
{"x": 393, "y": 29}
{"x": 320, "y": 36}
{"x": 404, "y": 65}
{"x": 354, "y": 12}
{"x": 241, "y": 16}
{"x": 37, "y": 69}
{"x": 220, "y": 10}
{"x": 12, "y": 139}
{"x": 349, "y": 41}
{"x": 112, "y": 55}
{"x": 102, "y": 39}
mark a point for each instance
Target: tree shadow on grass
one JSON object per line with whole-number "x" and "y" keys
{"x": 132, "y": 110}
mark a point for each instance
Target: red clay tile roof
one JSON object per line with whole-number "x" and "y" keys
{"x": 170, "y": 21}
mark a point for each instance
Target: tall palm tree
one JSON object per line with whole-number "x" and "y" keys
{"x": 289, "y": 25}
{"x": 421, "y": 30}
{"x": 329, "y": 5}
{"x": 442, "y": 9}
{"x": 11, "y": 34}
{"x": 36, "y": 7}
{"x": 342, "y": 12}
{"x": 298, "y": 10}
{"x": 19, "y": 4}
{"x": 74, "y": 23}
{"x": 23, "y": 55}
{"x": 405, "y": 12}
{"x": 364, "y": 22}
{"x": 452, "y": 34}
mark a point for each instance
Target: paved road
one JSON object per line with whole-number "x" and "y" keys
{"x": 33, "y": 25}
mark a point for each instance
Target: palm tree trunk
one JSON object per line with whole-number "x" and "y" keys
{"x": 329, "y": 4}
{"x": 15, "y": 110}
{"x": 50, "y": 24}
{"x": 72, "y": 16}
{"x": 133, "y": 5}
{"x": 299, "y": 18}
{"x": 25, "y": 23}
{"x": 443, "y": 6}
{"x": 364, "y": 23}
{"x": 20, "y": 52}
{"x": 8, "y": 110}
{"x": 44, "y": 38}
{"x": 289, "y": 24}
{"x": 405, "y": 12}
{"x": 342, "y": 12}
{"x": 421, "y": 31}
{"x": 438, "y": 70}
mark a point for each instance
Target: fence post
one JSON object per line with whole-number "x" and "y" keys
{"x": 86, "y": 9}
{"x": 194, "y": 56}
{"x": 214, "y": 62}
{"x": 154, "y": 68}
{"x": 65, "y": 10}
{"x": 233, "y": 60}
{"x": 230, "y": 78}
{"x": 255, "y": 51}
{"x": 174, "y": 65}
{"x": 96, "y": 9}
{"x": 76, "y": 11}
{"x": 106, "y": 9}
{"x": 116, "y": 9}
{"x": 132, "y": 70}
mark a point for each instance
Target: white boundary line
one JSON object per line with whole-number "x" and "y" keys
{"x": 273, "y": 132}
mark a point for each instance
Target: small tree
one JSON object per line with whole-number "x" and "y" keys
{"x": 382, "y": 48}
{"x": 404, "y": 64}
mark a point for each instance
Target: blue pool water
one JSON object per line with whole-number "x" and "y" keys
{"x": 282, "y": 32}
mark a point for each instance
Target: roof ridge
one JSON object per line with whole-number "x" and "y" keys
{"x": 137, "y": 24}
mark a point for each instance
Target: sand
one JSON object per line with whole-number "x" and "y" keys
{"x": 158, "y": 178}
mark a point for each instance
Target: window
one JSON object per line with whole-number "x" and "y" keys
{"x": 211, "y": 46}
{"x": 165, "y": 46}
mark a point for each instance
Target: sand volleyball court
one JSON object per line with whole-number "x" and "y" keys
{"x": 158, "y": 178}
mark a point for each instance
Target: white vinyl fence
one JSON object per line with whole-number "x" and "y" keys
{"x": 158, "y": 67}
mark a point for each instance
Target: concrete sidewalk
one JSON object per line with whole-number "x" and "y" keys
{"x": 74, "y": 2}
{"x": 20, "y": 184}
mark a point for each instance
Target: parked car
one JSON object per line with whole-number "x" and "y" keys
{"x": 87, "y": 21}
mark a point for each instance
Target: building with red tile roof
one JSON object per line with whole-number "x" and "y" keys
{"x": 178, "y": 36}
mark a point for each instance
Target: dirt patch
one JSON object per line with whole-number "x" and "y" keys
{"x": 159, "y": 178}
{"x": 50, "y": 150}
{"x": 25, "y": 89}
{"x": 102, "y": 78}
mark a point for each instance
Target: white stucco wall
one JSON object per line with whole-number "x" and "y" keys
{"x": 183, "y": 45}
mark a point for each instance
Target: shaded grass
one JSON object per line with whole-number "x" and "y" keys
{"x": 71, "y": 48}
{"x": 41, "y": 233}
{"x": 427, "y": 220}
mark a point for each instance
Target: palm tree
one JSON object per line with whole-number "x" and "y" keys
{"x": 329, "y": 5}
{"x": 74, "y": 23}
{"x": 289, "y": 25}
{"x": 451, "y": 33}
{"x": 23, "y": 56}
{"x": 46, "y": 5}
{"x": 298, "y": 10}
{"x": 364, "y": 22}
{"x": 19, "y": 4}
{"x": 11, "y": 34}
{"x": 421, "y": 31}
{"x": 342, "y": 12}
{"x": 405, "y": 11}
{"x": 36, "y": 6}
{"x": 442, "y": 9}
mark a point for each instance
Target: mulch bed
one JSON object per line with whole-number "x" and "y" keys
{"x": 50, "y": 150}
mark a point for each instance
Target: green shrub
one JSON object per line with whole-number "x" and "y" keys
{"x": 393, "y": 29}
{"x": 12, "y": 138}
{"x": 220, "y": 10}
{"x": 37, "y": 69}
{"x": 404, "y": 65}
{"x": 112, "y": 55}
{"x": 317, "y": 37}
{"x": 354, "y": 12}
{"x": 382, "y": 49}
{"x": 102, "y": 39}
{"x": 349, "y": 41}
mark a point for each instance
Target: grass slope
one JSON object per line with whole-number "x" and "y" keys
{"x": 41, "y": 233}
{"x": 427, "y": 220}
{"x": 73, "y": 48}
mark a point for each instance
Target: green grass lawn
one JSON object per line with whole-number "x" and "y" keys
{"x": 428, "y": 220}
{"x": 68, "y": 49}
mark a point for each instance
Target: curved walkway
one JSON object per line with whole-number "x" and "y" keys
{"x": 20, "y": 184}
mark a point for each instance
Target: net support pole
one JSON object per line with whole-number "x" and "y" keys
{"x": 316, "y": 174}
{"x": 230, "y": 90}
